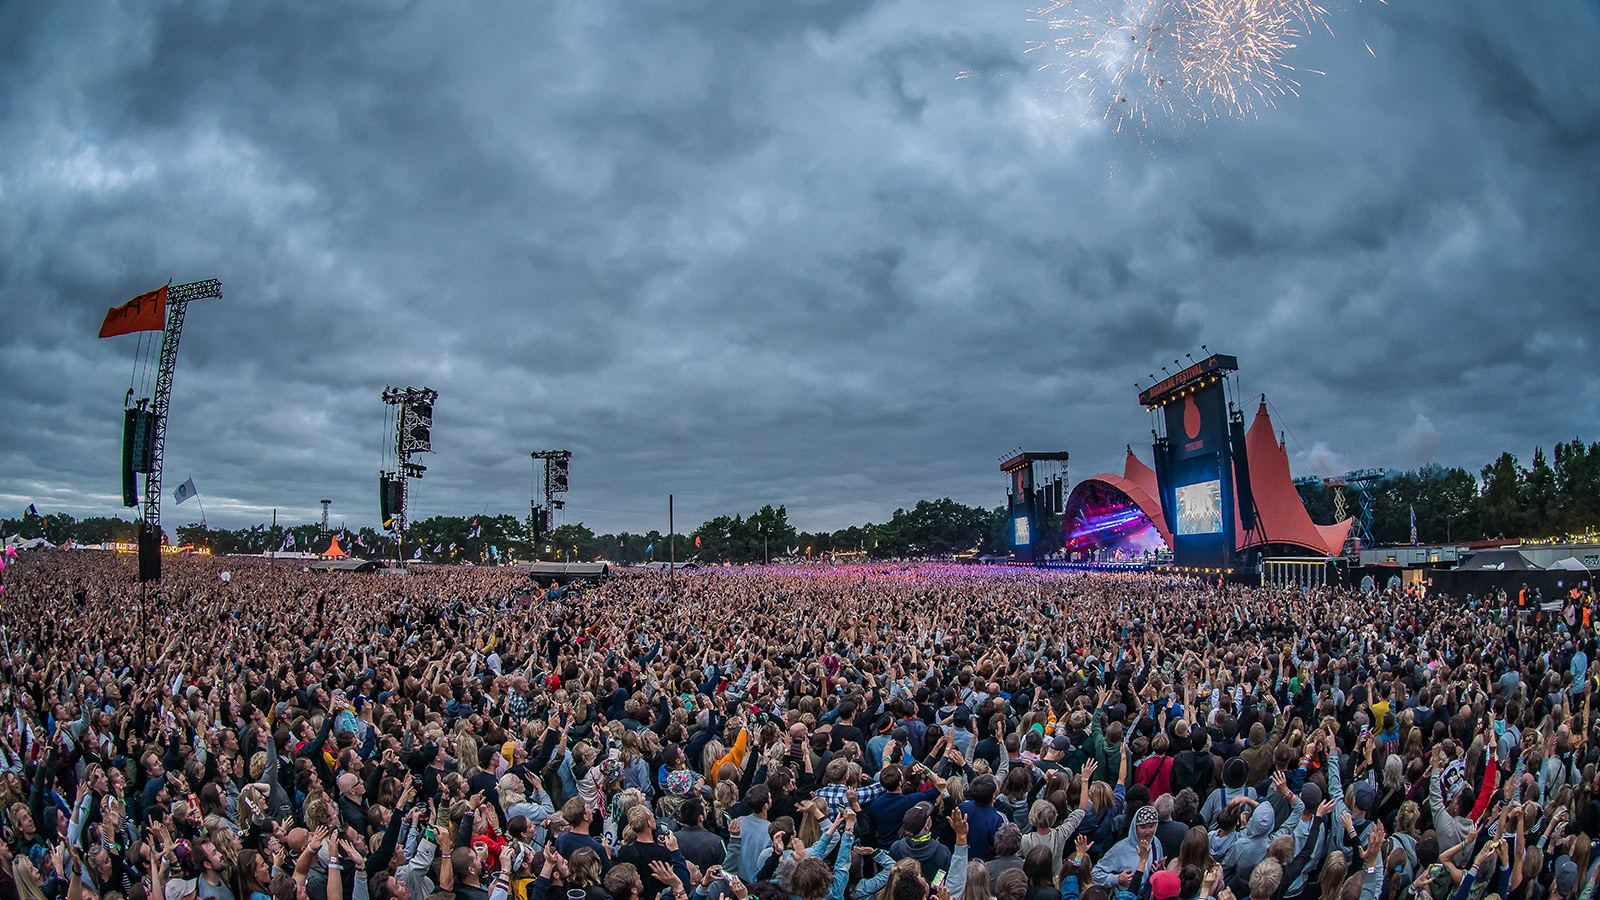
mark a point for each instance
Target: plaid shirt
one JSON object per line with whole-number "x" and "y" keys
{"x": 837, "y": 794}
{"x": 516, "y": 706}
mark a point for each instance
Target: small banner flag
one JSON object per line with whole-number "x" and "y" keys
{"x": 32, "y": 511}
{"x": 697, "y": 540}
{"x": 185, "y": 491}
{"x": 1413, "y": 526}
{"x": 146, "y": 312}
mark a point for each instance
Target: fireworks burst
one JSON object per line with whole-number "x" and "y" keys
{"x": 1174, "y": 59}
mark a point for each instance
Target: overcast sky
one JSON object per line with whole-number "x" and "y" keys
{"x": 753, "y": 253}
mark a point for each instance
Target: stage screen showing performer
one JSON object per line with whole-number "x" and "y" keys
{"x": 1200, "y": 508}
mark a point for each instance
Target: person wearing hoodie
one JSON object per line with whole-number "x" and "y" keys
{"x": 1353, "y": 818}
{"x": 1307, "y": 830}
{"x": 916, "y": 842}
{"x": 1262, "y": 744}
{"x": 1260, "y": 829}
{"x": 1120, "y": 866}
{"x": 1235, "y": 776}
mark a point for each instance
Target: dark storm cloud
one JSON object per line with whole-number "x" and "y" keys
{"x": 753, "y": 253}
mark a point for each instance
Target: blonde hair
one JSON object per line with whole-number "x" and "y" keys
{"x": 638, "y": 819}
{"x": 714, "y": 750}
{"x": 723, "y": 798}
{"x": 467, "y": 756}
{"x": 585, "y": 868}
{"x": 27, "y": 878}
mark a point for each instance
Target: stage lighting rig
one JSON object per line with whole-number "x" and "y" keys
{"x": 413, "y": 434}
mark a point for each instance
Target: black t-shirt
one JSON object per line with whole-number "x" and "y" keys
{"x": 642, "y": 855}
{"x": 701, "y": 847}
{"x": 841, "y": 734}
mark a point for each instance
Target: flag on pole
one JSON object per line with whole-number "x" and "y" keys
{"x": 32, "y": 511}
{"x": 185, "y": 491}
{"x": 650, "y": 546}
{"x": 1413, "y": 526}
{"x": 146, "y": 312}
{"x": 697, "y": 540}
{"x": 418, "y": 554}
{"x": 477, "y": 531}
{"x": 437, "y": 548}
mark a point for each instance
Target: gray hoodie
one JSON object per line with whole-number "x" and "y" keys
{"x": 1124, "y": 857}
{"x": 1259, "y": 832}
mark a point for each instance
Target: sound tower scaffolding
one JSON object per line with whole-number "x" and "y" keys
{"x": 1031, "y": 506}
{"x": 178, "y": 298}
{"x": 556, "y": 464}
{"x": 412, "y": 434}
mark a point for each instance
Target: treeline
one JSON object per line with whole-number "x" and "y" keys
{"x": 1553, "y": 497}
{"x": 931, "y": 528}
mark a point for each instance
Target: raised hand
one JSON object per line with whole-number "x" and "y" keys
{"x": 959, "y": 825}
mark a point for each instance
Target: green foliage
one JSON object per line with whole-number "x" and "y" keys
{"x": 1554, "y": 496}
{"x": 1506, "y": 499}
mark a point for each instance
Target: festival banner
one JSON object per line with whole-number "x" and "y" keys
{"x": 146, "y": 312}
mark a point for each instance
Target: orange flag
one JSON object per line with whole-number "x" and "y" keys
{"x": 146, "y": 312}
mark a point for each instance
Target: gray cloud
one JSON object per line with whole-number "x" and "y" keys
{"x": 751, "y": 254}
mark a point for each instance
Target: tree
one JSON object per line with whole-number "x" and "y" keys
{"x": 574, "y": 542}
{"x": 1541, "y": 508}
{"x": 1499, "y": 504}
{"x": 1577, "y": 471}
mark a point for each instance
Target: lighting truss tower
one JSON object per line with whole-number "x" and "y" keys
{"x": 555, "y": 482}
{"x": 1030, "y": 502}
{"x": 412, "y": 434}
{"x": 1361, "y": 482}
{"x": 178, "y": 297}
{"x": 325, "y": 517}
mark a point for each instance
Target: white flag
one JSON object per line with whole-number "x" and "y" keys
{"x": 185, "y": 491}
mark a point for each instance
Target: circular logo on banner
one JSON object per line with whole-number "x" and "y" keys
{"x": 1191, "y": 418}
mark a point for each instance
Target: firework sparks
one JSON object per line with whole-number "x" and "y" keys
{"x": 1171, "y": 59}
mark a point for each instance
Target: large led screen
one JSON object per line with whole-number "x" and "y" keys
{"x": 1200, "y": 508}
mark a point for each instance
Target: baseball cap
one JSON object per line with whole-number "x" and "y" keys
{"x": 1566, "y": 876}
{"x": 1164, "y": 885}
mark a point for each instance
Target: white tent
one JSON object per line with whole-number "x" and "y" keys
{"x": 30, "y": 544}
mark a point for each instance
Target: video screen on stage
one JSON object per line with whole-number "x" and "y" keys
{"x": 1020, "y": 532}
{"x": 1200, "y": 508}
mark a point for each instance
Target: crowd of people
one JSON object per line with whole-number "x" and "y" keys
{"x": 848, "y": 734}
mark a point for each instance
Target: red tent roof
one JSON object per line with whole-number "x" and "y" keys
{"x": 1283, "y": 516}
{"x": 1138, "y": 483}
